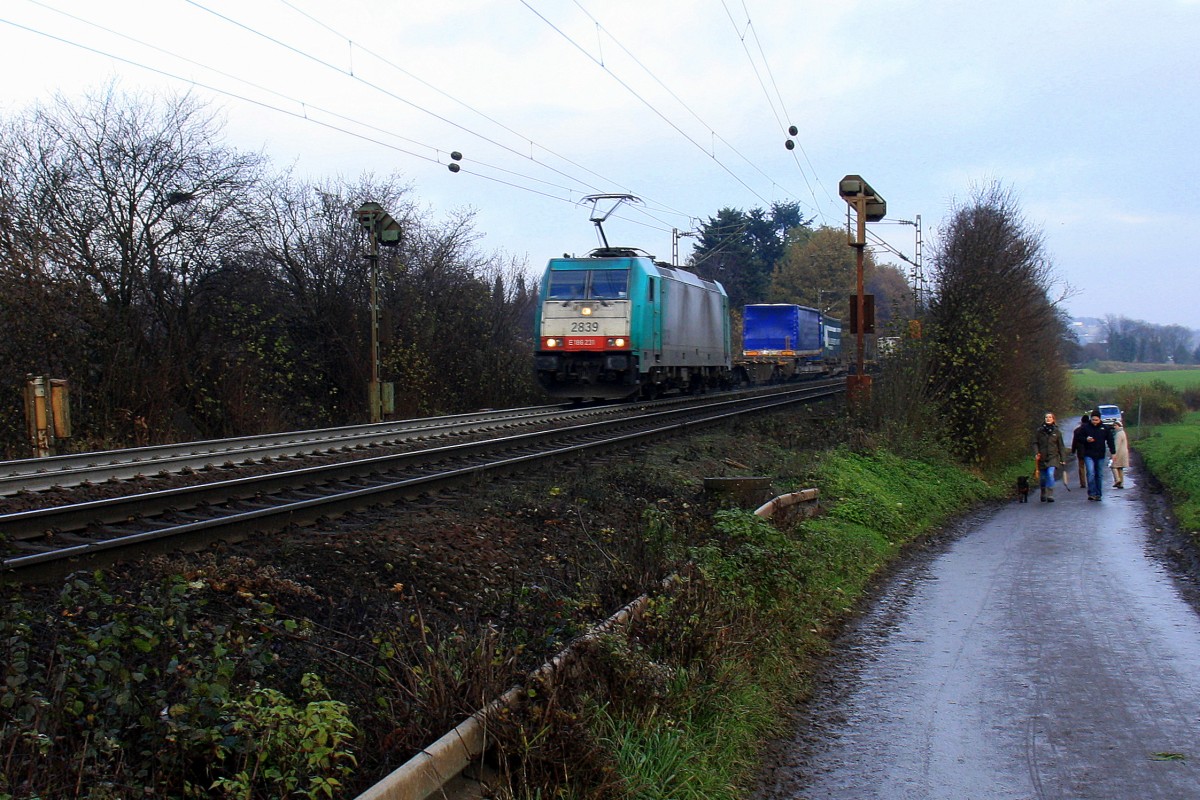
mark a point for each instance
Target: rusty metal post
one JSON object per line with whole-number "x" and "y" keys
{"x": 860, "y": 245}
{"x": 868, "y": 206}
{"x": 382, "y": 229}
{"x": 60, "y": 408}
{"x": 35, "y": 416}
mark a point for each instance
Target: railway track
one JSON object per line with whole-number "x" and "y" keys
{"x": 51, "y": 541}
{"x": 32, "y": 475}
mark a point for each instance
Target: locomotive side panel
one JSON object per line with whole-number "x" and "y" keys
{"x": 695, "y": 321}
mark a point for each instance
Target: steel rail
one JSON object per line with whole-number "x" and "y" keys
{"x": 38, "y": 521}
{"x": 38, "y": 474}
{"x": 238, "y": 525}
{"x": 35, "y": 474}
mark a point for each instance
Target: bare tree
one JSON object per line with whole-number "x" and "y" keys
{"x": 448, "y": 323}
{"x": 185, "y": 293}
{"x": 134, "y": 200}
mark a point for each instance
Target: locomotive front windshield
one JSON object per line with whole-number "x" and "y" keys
{"x": 599, "y": 284}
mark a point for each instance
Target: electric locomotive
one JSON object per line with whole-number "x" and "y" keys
{"x": 617, "y": 323}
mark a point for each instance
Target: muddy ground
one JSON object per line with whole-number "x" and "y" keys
{"x": 478, "y": 586}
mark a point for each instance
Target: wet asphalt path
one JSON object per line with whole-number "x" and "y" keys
{"x": 1044, "y": 653}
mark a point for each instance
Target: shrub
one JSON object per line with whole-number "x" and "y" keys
{"x": 276, "y": 749}
{"x": 1191, "y": 398}
{"x": 1154, "y": 403}
{"x": 109, "y": 690}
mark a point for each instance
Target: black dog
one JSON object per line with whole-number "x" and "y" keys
{"x": 1023, "y": 488}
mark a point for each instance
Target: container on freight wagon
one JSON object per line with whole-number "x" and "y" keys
{"x": 779, "y": 329}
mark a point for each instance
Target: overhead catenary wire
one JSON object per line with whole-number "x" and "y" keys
{"x": 395, "y": 96}
{"x": 358, "y": 128}
{"x": 391, "y": 64}
{"x": 644, "y": 102}
{"x": 879, "y": 241}
{"x": 295, "y": 114}
{"x": 222, "y": 73}
{"x": 243, "y": 98}
{"x": 305, "y": 105}
{"x": 211, "y": 88}
{"x": 772, "y": 101}
{"x": 601, "y": 29}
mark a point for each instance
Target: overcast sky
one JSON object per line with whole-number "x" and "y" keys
{"x": 1088, "y": 112}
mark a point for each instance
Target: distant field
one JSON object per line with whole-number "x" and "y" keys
{"x": 1176, "y": 378}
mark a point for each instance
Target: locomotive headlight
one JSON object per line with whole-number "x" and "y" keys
{"x": 552, "y": 343}
{"x": 586, "y": 311}
{"x": 617, "y": 342}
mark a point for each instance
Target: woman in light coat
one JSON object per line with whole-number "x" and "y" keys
{"x": 1120, "y": 459}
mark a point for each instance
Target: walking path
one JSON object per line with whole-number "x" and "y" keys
{"x": 1045, "y": 653}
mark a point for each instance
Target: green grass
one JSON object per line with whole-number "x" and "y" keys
{"x": 1172, "y": 453}
{"x": 699, "y": 755}
{"x": 1175, "y": 378}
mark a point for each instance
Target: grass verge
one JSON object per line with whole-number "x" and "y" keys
{"x": 680, "y": 705}
{"x": 1172, "y": 453}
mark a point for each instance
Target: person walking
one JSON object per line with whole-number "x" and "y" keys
{"x": 1097, "y": 440}
{"x": 1120, "y": 459}
{"x": 1077, "y": 450}
{"x": 1050, "y": 455}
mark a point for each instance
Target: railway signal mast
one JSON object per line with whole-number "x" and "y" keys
{"x": 868, "y": 206}
{"x": 384, "y": 230}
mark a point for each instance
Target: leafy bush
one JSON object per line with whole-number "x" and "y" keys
{"x": 1151, "y": 403}
{"x": 1191, "y": 398}
{"x": 145, "y": 689}
{"x": 757, "y": 564}
{"x": 287, "y": 750}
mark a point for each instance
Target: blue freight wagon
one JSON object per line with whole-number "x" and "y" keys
{"x": 782, "y": 342}
{"x": 781, "y": 330}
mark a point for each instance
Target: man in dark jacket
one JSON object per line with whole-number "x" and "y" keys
{"x": 1077, "y": 450}
{"x": 1051, "y": 455}
{"x": 1096, "y": 440}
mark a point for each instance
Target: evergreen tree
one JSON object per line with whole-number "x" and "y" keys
{"x": 741, "y": 250}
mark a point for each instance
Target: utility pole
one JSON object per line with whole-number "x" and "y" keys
{"x": 917, "y": 274}
{"x": 676, "y": 235}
